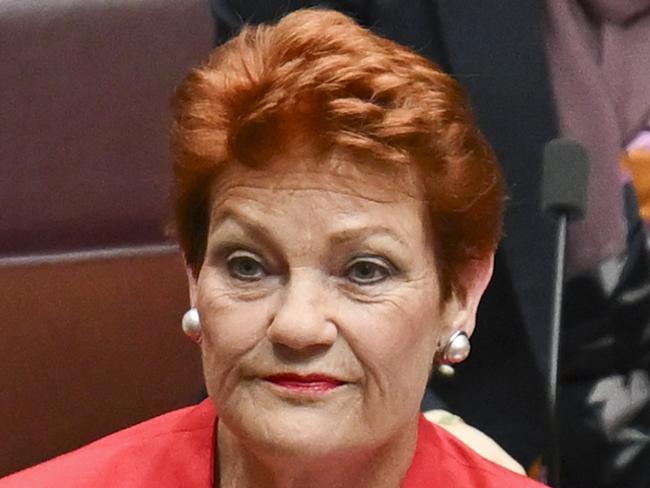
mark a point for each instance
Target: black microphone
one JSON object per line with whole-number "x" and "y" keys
{"x": 566, "y": 173}
{"x": 564, "y": 197}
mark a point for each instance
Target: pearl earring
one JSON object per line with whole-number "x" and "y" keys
{"x": 455, "y": 351}
{"x": 457, "y": 348}
{"x": 191, "y": 324}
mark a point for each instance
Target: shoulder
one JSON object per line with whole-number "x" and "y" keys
{"x": 474, "y": 438}
{"x": 440, "y": 456}
{"x": 130, "y": 457}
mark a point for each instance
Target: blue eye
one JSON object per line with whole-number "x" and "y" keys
{"x": 368, "y": 271}
{"x": 245, "y": 266}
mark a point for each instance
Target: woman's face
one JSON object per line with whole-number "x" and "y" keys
{"x": 320, "y": 305}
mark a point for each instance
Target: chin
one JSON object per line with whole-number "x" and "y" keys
{"x": 300, "y": 431}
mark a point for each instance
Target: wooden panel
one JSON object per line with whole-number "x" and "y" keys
{"x": 88, "y": 348}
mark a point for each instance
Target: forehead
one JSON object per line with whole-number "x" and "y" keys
{"x": 307, "y": 197}
{"x": 336, "y": 173}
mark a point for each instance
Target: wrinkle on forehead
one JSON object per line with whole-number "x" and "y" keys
{"x": 337, "y": 173}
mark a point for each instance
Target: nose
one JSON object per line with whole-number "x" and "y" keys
{"x": 301, "y": 319}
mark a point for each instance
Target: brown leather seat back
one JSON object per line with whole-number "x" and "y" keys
{"x": 91, "y": 294}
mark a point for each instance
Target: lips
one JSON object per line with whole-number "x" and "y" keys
{"x": 305, "y": 383}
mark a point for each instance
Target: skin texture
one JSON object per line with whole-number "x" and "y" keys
{"x": 314, "y": 266}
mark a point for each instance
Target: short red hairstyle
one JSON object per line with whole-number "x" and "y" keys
{"x": 336, "y": 85}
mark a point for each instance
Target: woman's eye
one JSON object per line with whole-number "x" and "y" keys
{"x": 245, "y": 266}
{"x": 368, "y": 271}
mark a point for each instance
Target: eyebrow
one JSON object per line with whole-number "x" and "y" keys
{"x": 360, "y": 233}
{"x": 252, "y": 226}
{"x": 261, "y": 233}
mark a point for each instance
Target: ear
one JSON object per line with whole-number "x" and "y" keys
{"x": 191, "y": 284}
{"x": 462, "y": 309}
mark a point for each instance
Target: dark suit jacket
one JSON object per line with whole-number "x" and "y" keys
{"x": 495, "y": 49}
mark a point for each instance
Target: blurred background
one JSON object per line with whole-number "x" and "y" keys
{"x": 91, "y": 290}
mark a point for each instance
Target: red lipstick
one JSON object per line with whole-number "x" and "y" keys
{"x": 306, "y": 383}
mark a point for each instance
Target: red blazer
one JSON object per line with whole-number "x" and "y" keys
{"x": 177, "y": 450}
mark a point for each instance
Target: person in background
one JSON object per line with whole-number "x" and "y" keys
{"x": 536, "y": 70}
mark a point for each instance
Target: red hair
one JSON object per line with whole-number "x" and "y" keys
{"x": 335, "y": 84}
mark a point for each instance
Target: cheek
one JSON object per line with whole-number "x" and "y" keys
{"x": 394, "y": 340}
{"x": 230, "y": 329}
{"x": 229, "y": 323}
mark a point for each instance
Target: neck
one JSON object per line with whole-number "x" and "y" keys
{"x": 242, "y": 465}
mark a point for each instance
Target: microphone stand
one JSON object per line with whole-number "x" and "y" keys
{"x": 556, "y": 319}
{"x": 564, "y": 197}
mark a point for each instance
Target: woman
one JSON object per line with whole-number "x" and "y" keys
{"x": 338, "y": 211}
